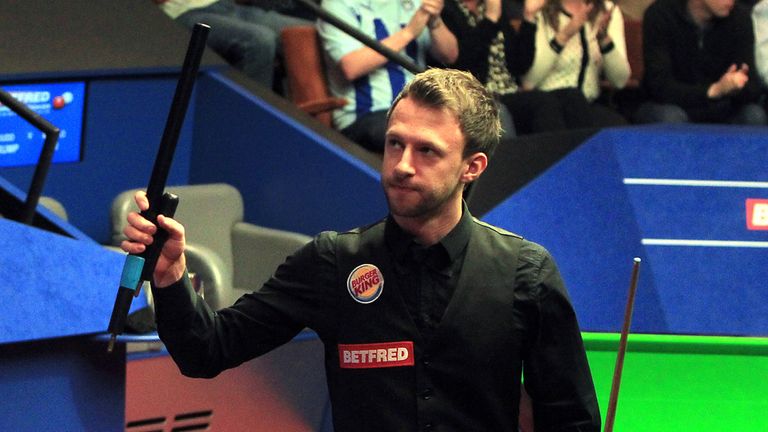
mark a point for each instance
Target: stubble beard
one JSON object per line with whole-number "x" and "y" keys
{"x": 429, "y": 205}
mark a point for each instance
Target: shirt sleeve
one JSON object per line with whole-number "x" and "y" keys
{"x": 616, "y": 63}
{"x": 203, "y": 342}
{"x": 519, "y": 47}
{"x": 335, "y": 41}
{"x": 545, "y": 55}
{"x": 556, "y": 371}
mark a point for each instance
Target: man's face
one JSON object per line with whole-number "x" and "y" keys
{"x": 719, "y": 8}
{"x": 423, "y": 168}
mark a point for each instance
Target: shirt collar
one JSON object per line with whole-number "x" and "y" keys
{"x": 453, "y": 243}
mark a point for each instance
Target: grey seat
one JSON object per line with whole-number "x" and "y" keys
{"x": 55, "y": 206}
{"x": 229, "y": 256}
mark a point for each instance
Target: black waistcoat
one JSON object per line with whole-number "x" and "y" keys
{"x": 383, "y": 377}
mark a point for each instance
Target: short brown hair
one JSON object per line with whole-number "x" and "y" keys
{"x": 463, "y": 95}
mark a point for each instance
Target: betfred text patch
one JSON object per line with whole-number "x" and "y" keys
{"x": 376, "y": 355}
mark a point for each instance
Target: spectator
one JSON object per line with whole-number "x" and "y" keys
{"x": 365, "y": 78}
{"x": 760, "y": 22}
{"x": 498, "y": 54}
{"x": 577, "y": 43}
{"x": 699, "y": 63}
{"x": 246, "y": 36}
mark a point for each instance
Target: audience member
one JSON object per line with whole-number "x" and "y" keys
{"x": 245, "y": 35}
{"x": 578, "y": 43}
{"x": 365, "y": 78}
{"x": 699, "y": 63}
{"x": 498, "y": 54}
{"x": 760, "y": 23}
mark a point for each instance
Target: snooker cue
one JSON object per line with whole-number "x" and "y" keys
{"x": 616, "y": 382}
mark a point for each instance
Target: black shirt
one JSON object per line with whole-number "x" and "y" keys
{"x": 496, "y": 306}
{"x": 429, "y": 273}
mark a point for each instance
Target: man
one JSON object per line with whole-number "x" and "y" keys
{"x": 365, "y": 78}
{"x": 429, "y": 316}
{"x": 699, "y": 63}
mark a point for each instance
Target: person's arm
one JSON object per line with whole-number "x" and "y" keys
{"x": 203, "y": 343}
{"x": 614, "y": 49}
{"x": 444, "y": 47}
{"x": 556, "y": 372}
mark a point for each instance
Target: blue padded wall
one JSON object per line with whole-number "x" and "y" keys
{"x": 290, "y": 177}
{"x": 672, "y": 195}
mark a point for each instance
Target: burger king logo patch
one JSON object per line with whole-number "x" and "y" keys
{"x": 365, "y": 283}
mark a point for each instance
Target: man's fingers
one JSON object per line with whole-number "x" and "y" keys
{"x": 141, "y": 200}
{"x": 174, "y": 228}
{"x": 140, "y": 223}
{"x": 132, "y": 247}
{"x": 136, "y": 235}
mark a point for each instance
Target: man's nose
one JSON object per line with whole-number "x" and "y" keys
{"x": 405, "y": 163}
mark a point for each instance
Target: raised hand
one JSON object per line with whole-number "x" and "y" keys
{"x": 531, "y": 8}
{"x": 733, "y": 80}
{"x": 493, "y": 10}
{"x": 579, "y": 11}
{"x": 140, "y": 233}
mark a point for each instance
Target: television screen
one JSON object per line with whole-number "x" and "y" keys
{"x": 61, "y": 103}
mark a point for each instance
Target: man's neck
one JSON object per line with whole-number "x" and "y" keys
{"x": 429, "y": 230}
{"x": 699, "y": 12}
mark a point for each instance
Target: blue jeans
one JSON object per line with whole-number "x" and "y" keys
{"x": 247, "y": 37}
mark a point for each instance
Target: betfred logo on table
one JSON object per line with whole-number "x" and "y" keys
{"x": 757, "y": 214}
{"x": 376, "y": 355}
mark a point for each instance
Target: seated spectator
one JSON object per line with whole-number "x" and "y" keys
{"x": 246, "y": 36}
{"x": 578, "y": 43}
{"x": 699, "y": 63}
{"x": 365, "y": 78}
{"x": 760, "y": 23}
{"x": 498, "y": 54}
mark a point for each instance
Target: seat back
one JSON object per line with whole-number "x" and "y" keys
{"x": 229, "y": 256}
{"x": 259, "y": 251}
{"x": 305, "y": 73}
{"x": 55, "y": 206}
{"x": 633, "y": 34}
{"x": 208, "y": 213}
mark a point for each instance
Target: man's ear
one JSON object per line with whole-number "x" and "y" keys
{"x": 476, "y": 164}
